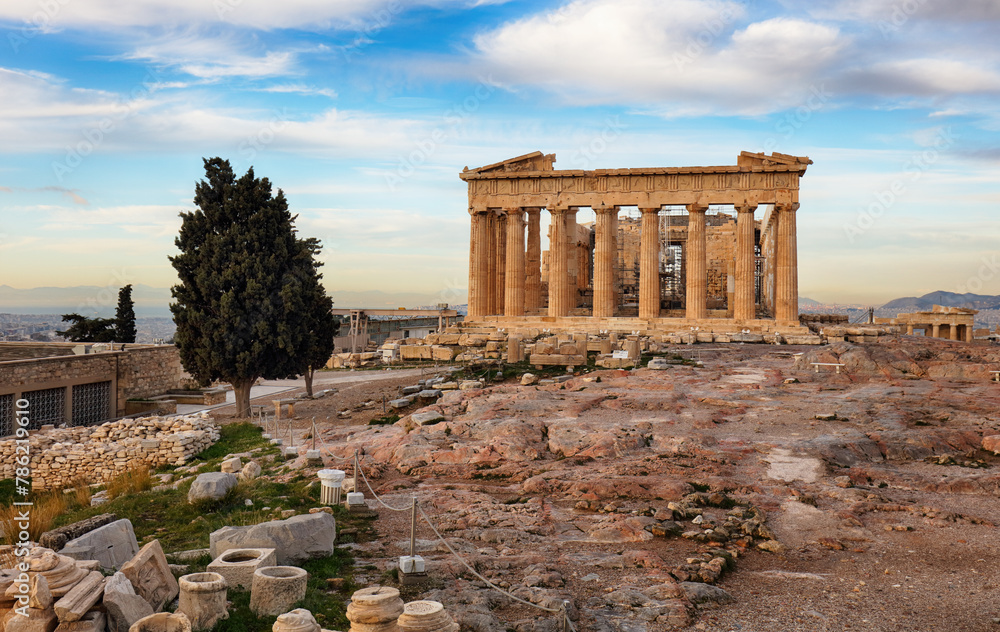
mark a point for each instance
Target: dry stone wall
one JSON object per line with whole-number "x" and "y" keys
{"x": 64, "y": 456}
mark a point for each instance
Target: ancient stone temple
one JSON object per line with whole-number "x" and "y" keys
{"x": 712, "y": 248}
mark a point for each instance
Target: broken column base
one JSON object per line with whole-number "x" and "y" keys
{"x": 412, "y": 570}
{"x": 357, "y": 506}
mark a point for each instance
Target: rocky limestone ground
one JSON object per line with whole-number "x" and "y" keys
{"x": 749, "y": 493}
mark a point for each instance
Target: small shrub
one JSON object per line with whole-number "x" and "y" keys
{"x": 44, "y": 511}
{"x": 81, "y": 493}
{"x": 384, "y": 421}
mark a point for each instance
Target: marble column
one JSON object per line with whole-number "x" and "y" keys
{"x": 501, "y": 283}
{"x": 787, "y": 269}
{"x": 533, "y": 262}
{"x": 697, "y": 265}
{"x": 744, "y": 305}
{"x": 558, "y": 279}
{"x": 491, "y": 263}
{"x": 936, "y": 331}
{"x": 649, "y": 264}
{"x": 478, "y": 265}
{"x": 605, "y": 254}
{"x": 514, "y": 277}
{"x": 571, "y": 258}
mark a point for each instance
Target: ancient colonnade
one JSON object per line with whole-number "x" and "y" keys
{"x": 507, "y": 199}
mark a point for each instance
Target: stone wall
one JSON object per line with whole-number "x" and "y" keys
{"x": 149, "y": 371}
{"x": 64, "y": 456}
{"x": 137, "y": 372}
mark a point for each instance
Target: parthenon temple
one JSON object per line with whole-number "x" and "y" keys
{"x": 712, "y": 248}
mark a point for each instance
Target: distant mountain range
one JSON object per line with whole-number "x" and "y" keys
{"x": 93, "y": 300}
{"x": 947, "y": 299}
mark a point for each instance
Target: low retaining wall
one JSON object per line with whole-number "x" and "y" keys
{"x": 63, "y": 457}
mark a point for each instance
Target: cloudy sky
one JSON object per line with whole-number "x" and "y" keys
{"x": 364, "y": 112}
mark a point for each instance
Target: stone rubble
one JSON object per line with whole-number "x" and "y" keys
{"x": 375, "y": 609}
{"x": 64, "y": 457}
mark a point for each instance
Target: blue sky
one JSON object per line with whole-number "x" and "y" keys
{"x": 364, "y": 112}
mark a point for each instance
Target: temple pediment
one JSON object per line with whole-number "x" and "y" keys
{"x": 751, "y": 159}
{"x": 535, "y": 161}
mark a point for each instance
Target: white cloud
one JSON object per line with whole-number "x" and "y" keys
{"x": 893, "y": 13}
{"x": 42, "y": 115}
{"x": 925, "y": 77}
{"x": 300, "y": 88}
{"x": 695, "y": 57}
{"x": 147, "y": 220}
{"x": 262, "y": 14}
{"x": 212, "y": 58}
{"x": 683, "y": 57}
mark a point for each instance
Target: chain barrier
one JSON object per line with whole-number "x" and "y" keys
{"x": 567, "y": 624}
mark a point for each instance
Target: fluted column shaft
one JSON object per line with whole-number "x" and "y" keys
{"x": 478, "y": 265}
{"x": 514, "y": 276}
{"x": 605, "y": 253}
{"x": 697, "y": 266}
{"x": 571, "y": 258}
{"x": 744, "y": 308}
{"x": 533, "y": 262}
{"x": 787, "y": 270}
{"x": 558, "y": 279}
{"x": 501, "y": 262}
{"x": 491, "y": 262}
{"x": 649, "y": 264}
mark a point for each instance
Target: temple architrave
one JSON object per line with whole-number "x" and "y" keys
{"x": 951, "y": 323}
{"x": 711, "y": 248}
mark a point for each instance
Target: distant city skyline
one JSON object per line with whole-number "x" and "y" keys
{"x": 365, "y": 111}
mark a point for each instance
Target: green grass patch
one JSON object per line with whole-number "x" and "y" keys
{"x": 7, "y": 487}
{"x": 326, "y": 604}
{"x": 234, "y": 438}
{"x": 384, "y": 421}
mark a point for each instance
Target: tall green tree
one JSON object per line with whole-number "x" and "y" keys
{"x": 125, "y": 316}
{"x": 247, "y": 284}
{"x": 320, "y": 325}
{"x": 85, "y": 329}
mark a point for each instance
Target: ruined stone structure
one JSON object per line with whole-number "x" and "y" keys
{"x": 587, "y": 275}
{"x": 68, "y": 383}
{"x": 62, "y": 457}
{"x": 952, "y": 323}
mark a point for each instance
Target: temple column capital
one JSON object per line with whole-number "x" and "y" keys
{"x": 696, "y": 207}
{"x": 745, "y": 208}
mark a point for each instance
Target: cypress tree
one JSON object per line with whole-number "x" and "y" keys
{"x": 246, "y": 283}
{"x": 125, "y": 316}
